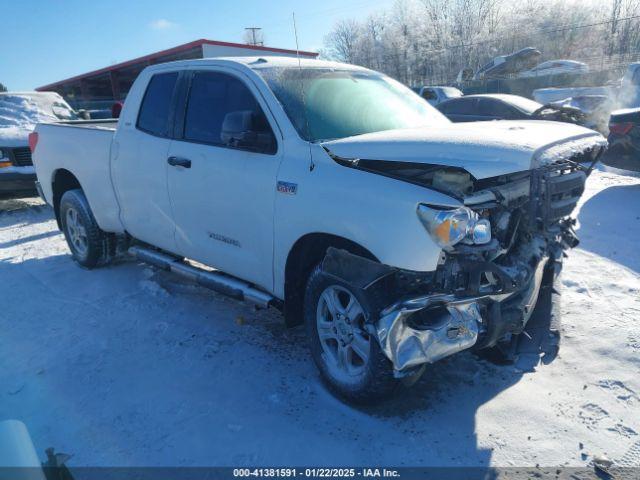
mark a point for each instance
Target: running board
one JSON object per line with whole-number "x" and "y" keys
{"x": 216, "y": 281}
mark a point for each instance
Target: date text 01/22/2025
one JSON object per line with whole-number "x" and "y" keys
{"x": 316, "y": 472}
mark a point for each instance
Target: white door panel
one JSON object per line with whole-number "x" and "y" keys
{"x": 223, "y": 208}
{"x": 139, "y": 166}
{"x": 140, "y": 173}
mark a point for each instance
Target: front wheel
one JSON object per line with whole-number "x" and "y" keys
{"x": 347, "y": 354}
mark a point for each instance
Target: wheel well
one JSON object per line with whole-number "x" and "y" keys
{"x": 63, "y": 181}
{"x": 305, "y": 254}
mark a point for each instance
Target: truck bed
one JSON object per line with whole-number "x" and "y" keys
{"x": 84, "y": 149}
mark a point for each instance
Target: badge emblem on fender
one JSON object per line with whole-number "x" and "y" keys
{"x": 287, "y": 188}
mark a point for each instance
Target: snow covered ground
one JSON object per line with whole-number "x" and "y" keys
{"x": 127, "y": 366}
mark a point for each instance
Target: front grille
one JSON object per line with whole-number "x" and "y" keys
{"x": 555, "y": 193}
{"x": 564, "y": 191}
{"x": 22, "y": 157}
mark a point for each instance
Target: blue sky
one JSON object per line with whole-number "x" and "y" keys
{"x": 45, "y": 41}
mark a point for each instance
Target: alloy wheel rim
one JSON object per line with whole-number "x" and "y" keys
{"x": 344, "y": 340}
{"x": 76, "y": 232}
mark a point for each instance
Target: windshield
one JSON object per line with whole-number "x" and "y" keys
{"x": 344, "y": 103}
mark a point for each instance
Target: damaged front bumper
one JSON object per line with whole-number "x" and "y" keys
{"x": 427, "y": 326}
{"x": 406, "y": 346}
{"x": 455, "y": 323}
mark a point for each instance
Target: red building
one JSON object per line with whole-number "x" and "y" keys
{"x": 102, "y": 87}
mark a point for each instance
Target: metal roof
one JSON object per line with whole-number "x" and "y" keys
{"x": 170, "y": 51}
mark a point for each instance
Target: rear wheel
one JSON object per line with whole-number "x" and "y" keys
{"x": 89, "y": 245}
{"x": 345, "y": 351}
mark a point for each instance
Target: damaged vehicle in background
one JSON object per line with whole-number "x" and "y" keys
{"x": 500, "y": 106}
{"x": 505, "y": 65}
{"x": 333, "y": 193}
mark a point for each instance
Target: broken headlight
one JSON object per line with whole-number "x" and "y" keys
{"x": 448, "y": 226}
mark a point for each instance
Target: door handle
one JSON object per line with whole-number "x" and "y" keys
{"x": 179, "y": 162}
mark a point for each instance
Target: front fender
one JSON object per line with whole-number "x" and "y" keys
{"x": 376, "y": 212}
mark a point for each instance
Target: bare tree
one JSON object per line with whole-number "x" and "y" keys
{"x": 341, "y": 42}
{"x": 626, "y": 35}
{"x": 430, "y": 41}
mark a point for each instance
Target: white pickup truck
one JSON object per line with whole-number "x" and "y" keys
{"x": 331, "y": 192}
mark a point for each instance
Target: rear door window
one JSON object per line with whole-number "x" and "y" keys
{"x": 156, "y": 104}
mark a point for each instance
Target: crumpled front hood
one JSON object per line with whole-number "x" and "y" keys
{"x": 484, "y": 149}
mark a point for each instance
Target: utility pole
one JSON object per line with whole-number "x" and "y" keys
{"x": 253, "y": 37}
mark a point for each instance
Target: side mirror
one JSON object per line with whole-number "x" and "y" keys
{"x": 245, "y": 129}
{"x": 84, "y": 114}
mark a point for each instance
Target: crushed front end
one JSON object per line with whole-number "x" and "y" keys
{"x": 480, "y": 293}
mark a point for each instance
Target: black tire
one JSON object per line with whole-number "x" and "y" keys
{"x": 376, "y": 380}
{"x": 99, "y": 244}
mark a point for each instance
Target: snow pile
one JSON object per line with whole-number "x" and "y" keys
{"x": 19, "y": 114}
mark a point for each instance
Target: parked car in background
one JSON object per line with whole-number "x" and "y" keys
{"x": 555, "y": 94}
{"x": 19, "y": 114}
{"x": 505, "y": 65}
{"x": 624, "y": 93}
{"x": 436, "y": 95}
{"x": 555, "y": 67}
{"x": 624, "y": 140}
{"x": 331, "y": 192}
{"x": 484, "y": 107}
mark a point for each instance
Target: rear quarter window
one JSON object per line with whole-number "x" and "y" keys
{"x": 156, "y": 104}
